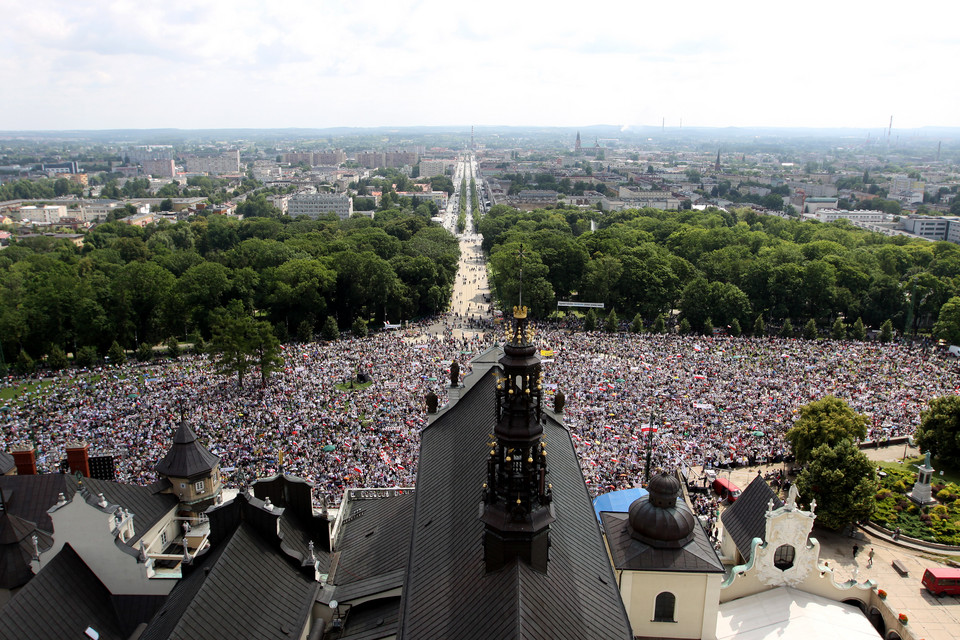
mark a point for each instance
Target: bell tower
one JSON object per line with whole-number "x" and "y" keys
{"x": 517, "y": 504}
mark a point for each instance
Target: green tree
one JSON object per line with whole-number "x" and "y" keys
{"x": 590, "y": 322}
{"x": 305, "y": 331}
{"x": 810, "y": 330}
{"x": 659, "y": 325}
{"x": 116, "y": 353}
{"x": 947, "y": 326}
{"x": 825, "y": 421}
{"x": 735, "y": 329}
{"x": 85, "y": 357}
{"x": 886, "y": 331}
{"x": 758, "y": 329}
{"x": 786, "y": 331}
{"x": 144, "y": 352}
{"x": 233, "y": 341}
{"x": 56, "y": 358}
{"x": 708, "y": 327}
{"x": 939, "y": 431}
{"x": 612, "y": 323}
{"x": 24, "y": 365}
{"x": 858, "y": 331}
{"x": 265, "y": 348}
{"x": 843, "y": 482}
{"x": 637, "y": 325}
{"x": 359, "y": 327}
{"x": 173, "y": 347}
{"x": 839, "y": 330}
{"x": 684, "y": 327}
{"x": 330, "y": 331}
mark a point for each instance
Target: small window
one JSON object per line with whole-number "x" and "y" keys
{"x": 163, "y": 538}
{"x": 198, "y": 486}
{"x": 783, "y": 557}
{"x": 664, "y": 608}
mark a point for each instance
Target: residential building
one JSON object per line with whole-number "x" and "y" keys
{"x": 431, "y": 168}
{"x": 314, "y": 205}
{"x": 227, "y": 162}
{"x": 159, "y": 168}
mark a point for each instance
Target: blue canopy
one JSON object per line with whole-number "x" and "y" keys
{"x": 617, "y": 501}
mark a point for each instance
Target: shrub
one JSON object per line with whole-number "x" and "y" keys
{"x": 144, "y": 352}
{"x": 56, "y": 358}
{"x": 85, "y": 357}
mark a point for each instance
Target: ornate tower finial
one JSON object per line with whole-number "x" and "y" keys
{"x": 517, "y": 499}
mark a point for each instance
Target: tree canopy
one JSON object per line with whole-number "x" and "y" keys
{"x": 843, "y": 482}
{"x": 826, "y": 421}
{"x": 939, "y": 431}
{"x": 143, "y": 285}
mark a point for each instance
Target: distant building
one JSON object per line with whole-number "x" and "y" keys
{"x": 826, "y": 214}
{"x": 431, "y": 168}
{"x": 314, "y": 205}
{"x": 226, "y": 162}
{"x": 43, "y": 214}
{"x": 159, "y": 168}
{"x": 61, "y": 167}
{"x": 812, "y": 205}
{"x": 929, "y": 228}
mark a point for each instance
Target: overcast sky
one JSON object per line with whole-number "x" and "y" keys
{"x": 94, "y": 64}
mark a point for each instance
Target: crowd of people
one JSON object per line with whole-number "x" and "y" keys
{"x": 693, "y": 402}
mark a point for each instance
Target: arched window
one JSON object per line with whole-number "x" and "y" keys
{"x": 664, "y": 609}
{"x": 783, "y": 557}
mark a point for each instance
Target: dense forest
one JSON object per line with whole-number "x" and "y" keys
{"x": 717, "y": 267}
{"x": 147, "y": 285}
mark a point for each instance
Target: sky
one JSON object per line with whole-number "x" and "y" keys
{"x": 101, "y": 64}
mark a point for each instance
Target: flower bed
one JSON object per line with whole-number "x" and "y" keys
{"x": 935, "y": 523}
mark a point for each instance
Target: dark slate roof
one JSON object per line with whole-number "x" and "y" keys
{"x": 252, "y": 591}
{"x": 697, "y": 556}
{"x": 372, "y": 620}
{"x": 187, "y": 458}
{"x": 447, "y": 592}
{"x": 745, "y": 519}
{"x": 147, "y": 506}
{"x": 29, "y": 497}
{"x": 61, "y": 602}
{"x": 376, "y": 540}
{"x": 16, "y": 550}
{"x": 6, "y": 463}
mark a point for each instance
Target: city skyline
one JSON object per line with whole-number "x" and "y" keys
{"x": 317, "y": 65}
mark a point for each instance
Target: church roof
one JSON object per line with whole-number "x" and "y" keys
{"x": 187, "y": 458}
{"x": 447, "y": 591}
{"x": 631, "y": 554}
{"x": 744, "y": 520}
{"x": 252, "y": 591}
{"x": 71, "y": 599}
{"x": 6, "y": 463}
{"x": 16, "y": 550}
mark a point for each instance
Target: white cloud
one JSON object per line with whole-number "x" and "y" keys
{"x": 225, "y": 63}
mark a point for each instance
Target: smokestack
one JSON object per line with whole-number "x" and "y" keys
{"x": 78, "y": 457}
{"x": 25, "y": 457}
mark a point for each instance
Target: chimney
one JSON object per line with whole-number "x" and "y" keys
{"x": 25, "y": 458}
{"x": 78, "y": 457}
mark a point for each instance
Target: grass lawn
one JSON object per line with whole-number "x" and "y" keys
{"x": 910, "y": 464}
{"x": 40, "y": 387}
{"x": 352, "y": 386}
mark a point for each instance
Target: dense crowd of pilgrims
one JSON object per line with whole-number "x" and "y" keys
{"x": 714, "y": 401}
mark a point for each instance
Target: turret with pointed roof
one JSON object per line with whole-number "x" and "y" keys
{"x": 193, "y": 472}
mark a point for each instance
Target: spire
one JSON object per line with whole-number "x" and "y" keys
{"x": 716, "y": 167}
{"x": 577, "y": 148}
{"x": 517, "y": 499}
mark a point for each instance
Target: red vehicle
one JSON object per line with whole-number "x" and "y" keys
{"x": 942, "y": 581}
{"x": 726, "y": 489}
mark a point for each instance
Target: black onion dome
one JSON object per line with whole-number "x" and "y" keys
{"x": 659, "y": 518}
